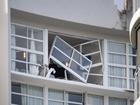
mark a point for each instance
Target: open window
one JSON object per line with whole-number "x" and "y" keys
{"x": 70, "y": 59}
{"x": 92, "y": 50}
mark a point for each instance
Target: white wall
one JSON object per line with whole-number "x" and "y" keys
{"x": 93, "y": 12}
{"x": 4, "y": 65}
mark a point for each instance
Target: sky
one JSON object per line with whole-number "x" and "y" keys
{"x": 120, "y": 4}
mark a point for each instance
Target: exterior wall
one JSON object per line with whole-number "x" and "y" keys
{"x": 70, "y": 85}
{"x": 4, "y": 54}
{"x": 97, "y": 13}
{"x": 66, "y": 24}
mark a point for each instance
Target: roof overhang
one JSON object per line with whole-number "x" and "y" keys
{"x": 134, "y": 25}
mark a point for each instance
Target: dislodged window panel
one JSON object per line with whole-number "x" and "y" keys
{"x": 70, "y": 59}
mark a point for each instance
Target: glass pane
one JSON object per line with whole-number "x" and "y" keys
{"x": 90, "y": 48}
{"x": 19, "y": 88}
{"x": 19, "y": 66}
{"x": 35, "y": 58}
{"x": 59, "y": 56}
{"x": 96, "y": 70}
{"x": 98, "y": 80}
{"x": 35, "y": 45}
{"x": 131, "y": 85}
{"x": 35, "y": 101}
{"x": 81, "y": 60}
{"x": 116, "y": 47}
{"x": 38, "y": 34}
{"x": 33, "y": 69}
{"x": 29, "y": 32}
{"x": 117, "y": 71}
{"x": 117, "y": 101}
{"x": 132, "y": 50}
{"x": 117, "y": 82}
{"x": 19, "y": 100}
{"x": 20, "y": 30}
{"x": 63, "y": 47}
{"x": 55, "y": 103}
{"x": 56, "y": 95}
{"x": 79, "y": 70}
{"x": 74, "y": 97}
{"x": 132, "y": 60}
{"x": 35, "y": 91}
{"x": 95, "y": 58}
{"x": 12, "y": 29}
{"x": 132, "y": 73}
{"x": 117, "y": 59}
{"x": 95, "y": 100}
{"x": 19, "y": 55}
{"x": 19, "y": 42}
{"x": 73, "y": 104}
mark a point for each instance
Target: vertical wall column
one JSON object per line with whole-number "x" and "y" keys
{"x": 4, "y": 54}
{"x": 138, "y": 57}
{"x": 105, "y": 66}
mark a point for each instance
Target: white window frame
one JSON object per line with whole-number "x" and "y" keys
{"x": 27, "y": 95}
{"x": 44, "y": 53}
{"x": 127, "y": 66}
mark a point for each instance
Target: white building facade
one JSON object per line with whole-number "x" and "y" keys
{"x": 134, "y": 32}
{"x": 92, "y": 59}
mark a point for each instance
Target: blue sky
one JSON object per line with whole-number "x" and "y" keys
{"x": 120, "y": 4}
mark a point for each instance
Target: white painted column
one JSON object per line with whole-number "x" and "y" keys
{"x": 105, "y": 66}
{"x": 106, "y": 100}
{"x": 4, "y": 54}
{"x": 138, "y": 58}
{"x": 45, "y": 46}
{"x": 45, "y": 95}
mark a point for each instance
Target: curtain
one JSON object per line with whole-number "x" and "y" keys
{"x": 55, "y": 103}
{"x": 117, "y": 82}
{"x": 95, "y": 100}
{"x": 117, "y": 101}
{"x": 117, "y": 71}
{"x": 35, "y": 101}
{"x": 56, "y": 95}
{"x": 117, "y": 58}
{"x": 116, "y": 47}
{"x": 33, "y": 59}
{"x": 35, "y": 91}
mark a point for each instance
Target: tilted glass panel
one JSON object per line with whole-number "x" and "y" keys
{"x": 72, "y": 60}
{"x": 60, "y": 56}
{"x": 81, "y": 60}
{"x": 63, "y": 47}
{"x": 79, "y": 70}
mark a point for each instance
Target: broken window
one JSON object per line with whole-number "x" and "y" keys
{"x": 70, "y": 59}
